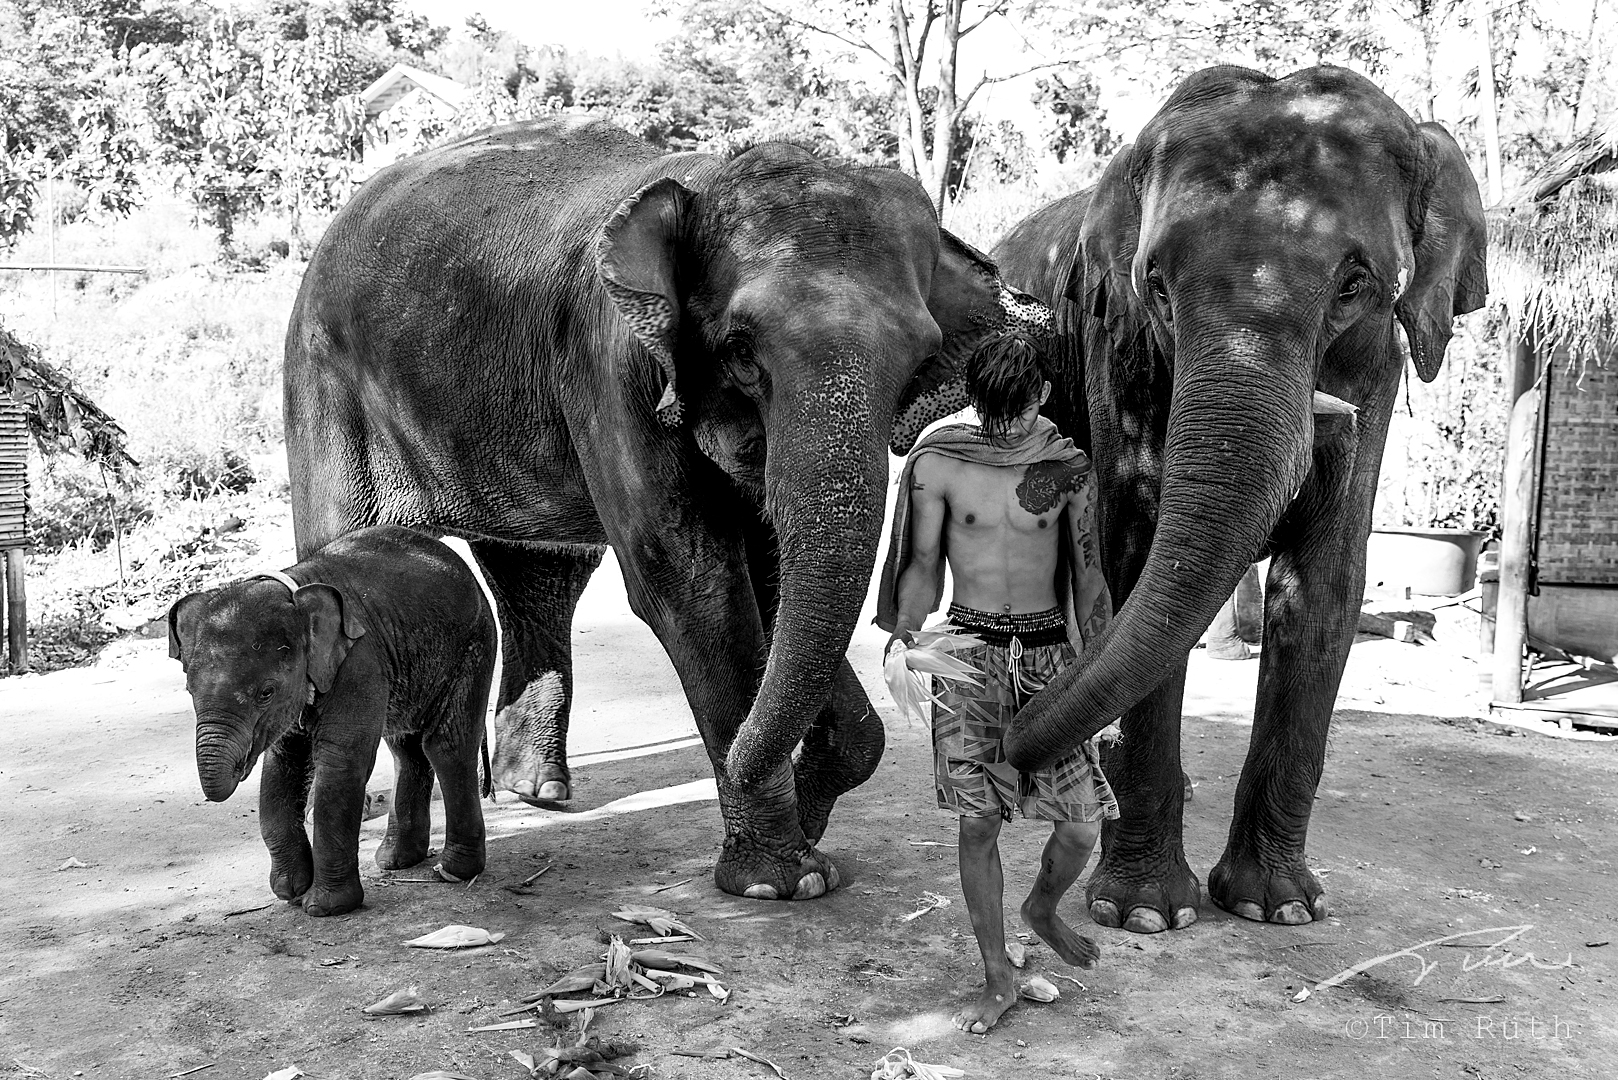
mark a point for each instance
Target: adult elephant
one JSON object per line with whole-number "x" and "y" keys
{"x": 549, "y": 337}
{"x": 1227, "y": 297}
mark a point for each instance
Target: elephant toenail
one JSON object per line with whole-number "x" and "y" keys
{"x": 524, "y": 788}
{"x": 1184, "y": 917}
{"x": 762, "y": 891}
{"x": 1320, "y": 909}
{"x": 1144, "y": 920}
{"x": 834, "y": 878}
{"x": 1292, "y": 913}
{"x": 1248, "y": 910}
{"x": 809, "y": 887}
{"x": 553, "y": 790}
{"x": 1105, "y": 913}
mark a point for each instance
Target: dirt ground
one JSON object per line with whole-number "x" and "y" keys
{"x": 166, "y": 951}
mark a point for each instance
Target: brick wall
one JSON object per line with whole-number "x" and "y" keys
{"x": 1578, "y": 531}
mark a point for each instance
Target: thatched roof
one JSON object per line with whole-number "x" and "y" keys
{"x": 58, "y": 415}
{"x": 1553, "y": 253}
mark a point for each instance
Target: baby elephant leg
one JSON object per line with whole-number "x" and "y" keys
{"x": 409, "y": 835}
{"x": 339, "y": 805}
{"x": 456, "y": 763}
{"x": 454, "y": 747}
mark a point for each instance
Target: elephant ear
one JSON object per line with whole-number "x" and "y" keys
{"x": 1451, "y": 275}
{"x": 970, "y": 304}
{"x": 330, "y": 628}
{"x": 182, "y": 623}
{"x": 1102, "y": 281}
{"x": 636, "y": 258}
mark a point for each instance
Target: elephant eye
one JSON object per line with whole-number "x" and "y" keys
{"x": 266, "y": 693}
{"x": 1154, "y": 282}
{"x": 1351, "y": 287}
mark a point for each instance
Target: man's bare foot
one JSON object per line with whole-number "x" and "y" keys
{"x": 998, "y": 995}
{"x": 1076, "y": 949}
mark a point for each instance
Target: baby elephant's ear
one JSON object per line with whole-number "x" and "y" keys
{"x": 330, "y": 629}
{"x": 182, "y": 623}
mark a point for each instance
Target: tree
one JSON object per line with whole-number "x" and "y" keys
{"x": 933, "y": 115}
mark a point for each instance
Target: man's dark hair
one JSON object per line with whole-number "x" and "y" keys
{"x": 1003, "y": 378}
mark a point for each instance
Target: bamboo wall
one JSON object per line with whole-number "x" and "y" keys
{"x": 1578, "y": 513}
{"x": 13, "y": 475}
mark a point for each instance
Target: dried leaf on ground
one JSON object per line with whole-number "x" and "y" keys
{"x": 576, "y": 1006}
{"x": 525, "y": 1060}
{"x": 397, "y": 1003}
{"x": 616, "y": 967}
{"x": 73, "y": 864}
{"x": 578, "y": 979}
{"x": 666, "y": 961}
{"x": 929, "y": 901}
{"x": 455, "y": 936}
{"x": 718, "y": 991}
{"x": 440, "y": 1074}
{"x": 291, "y": 1072}
{"x": 661, "y": 920}
{"x": 897, "y": 1064}
{"x": 1017, "y": 953}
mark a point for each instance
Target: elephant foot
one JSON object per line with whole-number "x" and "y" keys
{"x": 762, "y": 875}
{"x": 291, "y": 878}
{"x": 396, "y": 853}
{"x": 1234, "y": 649}
{"x": 1143, "y": 897}
{"x": 529, "y": 757}
{"x": 460, "y": 863}
{"x": 1287, "y": 894}
{"x": 321, "y": 900}
{"x": 550, "y": 785}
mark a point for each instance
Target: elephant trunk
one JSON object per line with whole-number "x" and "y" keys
{"x": 827, "y": 516}
{"x": 1236, "y": 452}
{"x": 222, "y": 755}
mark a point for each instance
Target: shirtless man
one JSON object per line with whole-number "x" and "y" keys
{"x": 1011, "y": 505}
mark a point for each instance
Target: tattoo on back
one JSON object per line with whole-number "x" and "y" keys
{"x": 1046, "y": 483}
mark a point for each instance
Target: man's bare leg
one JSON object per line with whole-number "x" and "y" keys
{"x": 982, "y": 883}
{"x": 1066, "y": 852}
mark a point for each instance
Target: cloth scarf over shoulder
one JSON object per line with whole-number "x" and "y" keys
{"x": 966, "y": 442}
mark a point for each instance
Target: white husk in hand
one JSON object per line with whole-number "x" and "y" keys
{"x": 905, "y": 669}
{"x": 455, "y": 936}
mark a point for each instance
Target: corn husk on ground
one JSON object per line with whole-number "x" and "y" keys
{"x": 930, "y": 653}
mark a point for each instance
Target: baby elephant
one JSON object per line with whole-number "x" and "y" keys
{"x": 386, "y": 633}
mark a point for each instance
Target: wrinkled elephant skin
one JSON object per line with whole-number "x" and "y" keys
{"x": 1227, "y": 302}
{"x": 383, "y": 633}
{"x": 549, "y": 338}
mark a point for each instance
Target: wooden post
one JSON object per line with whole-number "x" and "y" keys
{"x": 16, "y": 612}
{"x": 1516, "y": 541}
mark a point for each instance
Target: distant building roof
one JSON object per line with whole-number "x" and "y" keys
{"x": 401, "y": 79}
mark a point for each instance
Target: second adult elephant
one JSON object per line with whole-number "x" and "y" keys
{"x": 550, "y": 337}
{"x": 1228, "y": 297}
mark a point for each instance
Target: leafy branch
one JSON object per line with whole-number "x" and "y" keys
{"x": 58, "y": 416}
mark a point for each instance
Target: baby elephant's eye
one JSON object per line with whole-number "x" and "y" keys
{"x": 265, "y": 693}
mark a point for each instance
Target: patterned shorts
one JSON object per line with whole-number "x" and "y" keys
{"x": 969, "y": 763}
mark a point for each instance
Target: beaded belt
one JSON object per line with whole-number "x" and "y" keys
{"x": 1034, "y": 630}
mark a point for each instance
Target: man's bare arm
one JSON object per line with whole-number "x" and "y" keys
{"x": 917, "y": 587}
{"x": 1095, "y": 602}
